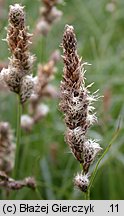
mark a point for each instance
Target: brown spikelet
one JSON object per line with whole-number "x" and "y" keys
{"x": 49, "y": 15}
{"x": 7, "y": 148}
{"x": 42, "y": 88}
{"x": 46, "y": 73}
{"x": 11, "y": 184}
{"x": 19, "y": 39}
{"x": 81, "y": 182}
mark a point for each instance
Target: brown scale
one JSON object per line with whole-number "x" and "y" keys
{"x": 74, "y": 123}
{"x": 18, "y": 44}
{"x": 88, "y": 158}
{"x": 83, "y": 188}
{"x": 13, "y": 81}
{"x": 7, "y": 147}
{"x": 74, "y": 117}
{"x": 76, "y": 144}
{"x": 12, "y": 35}
{"x": 26, "y": 87}
{"x": 17, "y": 17}
{"x": 81, "y": 182}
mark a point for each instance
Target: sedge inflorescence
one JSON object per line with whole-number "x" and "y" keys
{"x": 49, "y": 15}
{"x": 37, "y": 110}
{"x": 76, "y": 104}
{"x": 12, "y": 184}
{"x": 17, "y": 76}
{"x": 7, "y": 148}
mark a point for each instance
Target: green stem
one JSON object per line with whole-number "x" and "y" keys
{"x": 25, "y": 154}
{"x": 43, "y": 49}
{"x": 98, "y": 162}
{"x": 38, "y": 194}
{"x": 18, "y": 135}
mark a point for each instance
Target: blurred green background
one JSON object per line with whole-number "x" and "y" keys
{"x": 99, "y": 27}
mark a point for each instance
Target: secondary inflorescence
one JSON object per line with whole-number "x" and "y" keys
{"x": 7, "y": 148}
{"x": 37, "y": 110}
{"x": 11, "y": 184}
{"x": 18, "y": 76}
{"x": 49, "y": 15}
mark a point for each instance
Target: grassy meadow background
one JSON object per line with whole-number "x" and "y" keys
{"x": 44, "y": 153}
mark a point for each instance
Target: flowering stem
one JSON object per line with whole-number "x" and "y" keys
{"x": 98, "y": 162}
{"x": 18, "y": 135}
{"x": 38, "y": 194}
{"x": 25, "y": 153}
